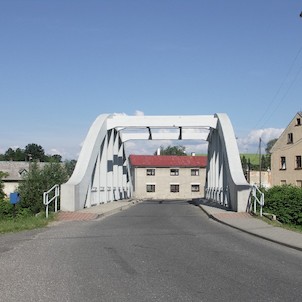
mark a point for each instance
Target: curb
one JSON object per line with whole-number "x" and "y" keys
{"x": 249, "y": 232}
{"x": 114, "y": 211}
{"x": 89, "y": 216}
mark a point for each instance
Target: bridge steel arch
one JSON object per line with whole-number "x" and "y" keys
{"x": 102, "y": 172}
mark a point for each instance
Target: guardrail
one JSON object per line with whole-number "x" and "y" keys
{"x": 55, "y": 191}
{"x": 257, "y": 198}
{"x": 219, "y": 195}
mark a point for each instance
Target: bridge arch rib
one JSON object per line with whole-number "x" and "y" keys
{"x": 102, "y": 173}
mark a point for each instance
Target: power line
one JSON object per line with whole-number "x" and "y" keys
{"x": 284, "y": 95}
{"x": 279, "y": 90}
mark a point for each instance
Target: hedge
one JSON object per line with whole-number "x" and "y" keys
{"x": 285, "y": 202}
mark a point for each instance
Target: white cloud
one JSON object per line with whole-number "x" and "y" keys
{"x": 139, "y": 113}
{"x": 250, "y": 143}
{"x": 247, "y": 144}
{"x": 54, "y": 151}
{"x": 146, "y": 147}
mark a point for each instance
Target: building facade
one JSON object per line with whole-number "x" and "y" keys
{"x": 286, "y": 163}
{"x": 15, "y": 171}
{"x": 168, "y": 177}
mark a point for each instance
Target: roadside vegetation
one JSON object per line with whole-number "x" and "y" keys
{"x": 29, "y": 213}
{"x": 286, "y": 203}
{"x": 283, "y": 201}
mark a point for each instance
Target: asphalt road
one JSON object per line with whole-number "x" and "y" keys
{"x": 169, "y": 251}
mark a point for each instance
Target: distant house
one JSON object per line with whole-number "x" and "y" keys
{"x": 168, "y": 177}
{"x": 286, "y": 163}
{"x": 16, "y": 170}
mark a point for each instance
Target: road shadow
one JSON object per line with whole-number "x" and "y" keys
{"x": 206, "y": 202}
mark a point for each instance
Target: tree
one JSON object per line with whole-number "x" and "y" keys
{"x": 69, "y": 166}
{"x": 172, "y": 150}
{"x": 38, "y": 181}
{"x": 2, "y": 175}
{"x": 270, "y": 145}
{"x": 15, "y": 155}
{"x": 35, "y": 152}
{"x": 56, "y": 158}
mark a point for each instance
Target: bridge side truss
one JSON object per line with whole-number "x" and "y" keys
{"x": 102, "y": 172}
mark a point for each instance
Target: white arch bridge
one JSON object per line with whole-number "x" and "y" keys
{"x": 102, "y": 173}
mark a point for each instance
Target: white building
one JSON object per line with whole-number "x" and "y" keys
{"x": 168, "y": 177}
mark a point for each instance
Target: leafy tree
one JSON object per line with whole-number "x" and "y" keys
{"x": 56, "y": 158}
{"x": 270, "y": 145}
{"x": 172, "y": 150}
{"x": 243, "y": 162}
{"x": 35, "y": 152}
{"x": 15, "y": 155}
{"x": 69, "y": 166}
{"x": 37, "y": 181}
{"x": 266, "y": 160}
{"x": 2, "y": 175}
{"x": 9, "y": 154}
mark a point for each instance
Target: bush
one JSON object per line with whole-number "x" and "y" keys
{"x": 9, "y": 211}
{"x": 38, "y": 181}
{"x": 285, "y": 202}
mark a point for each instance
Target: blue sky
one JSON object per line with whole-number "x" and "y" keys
{"x": 65, "y": 62}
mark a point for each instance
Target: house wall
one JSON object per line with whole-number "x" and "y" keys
{"x": 290, "y": 174}
{"x": 15, "y": 171}
{"x": 162, "y": 181}
{"x": 266, "y": 178}
{"x": 10, "y": 187}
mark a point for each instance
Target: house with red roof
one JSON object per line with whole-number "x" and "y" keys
{"x": 168, "y": 176}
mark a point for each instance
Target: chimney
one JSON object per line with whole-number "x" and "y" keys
{"x": 158, "y": 151}
{"x": 192, "y": 153}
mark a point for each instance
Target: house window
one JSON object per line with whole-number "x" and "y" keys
{"x": 150, "y": 188}
{"x": 283, "y": 182}
{"x": 195, "y": 188}
{"x": 298, "y": 162}
{"x": 150, "y": 172}
{"x": 194, "y": 172}
{"x": 23, "y": 172}
{"x": 174, "y": 188}
{"x": 290, "y": 138}
{"x": 299, "y": 183}
{"x": 283, "y": 163}
{"x": 174, "y": 172}
{"x": 298, "y": 122}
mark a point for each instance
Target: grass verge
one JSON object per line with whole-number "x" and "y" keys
{"x": 290, "y": 227}
{"x": 24, "y": 223}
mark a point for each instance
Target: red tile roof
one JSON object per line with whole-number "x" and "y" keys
{"x": 167, "y": 161}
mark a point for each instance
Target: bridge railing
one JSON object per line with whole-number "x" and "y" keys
{"x": 219, "y": 195}
{"x": 257, "y": 198}
{"x": 52, "y": 194}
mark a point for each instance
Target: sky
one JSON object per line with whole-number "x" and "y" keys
{"x": 64, "y": 62}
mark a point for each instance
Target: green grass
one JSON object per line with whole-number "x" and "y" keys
{"x": 254, "y": 158}
{"x": 290, "y": 227}
{"x": 24, "y": 223}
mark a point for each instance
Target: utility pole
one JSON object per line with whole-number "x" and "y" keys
{"x": 260, "y": 168}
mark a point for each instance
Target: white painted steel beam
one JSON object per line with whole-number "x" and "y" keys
{"x": 164, "y": 136}
{"x": 170, "y": 121}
